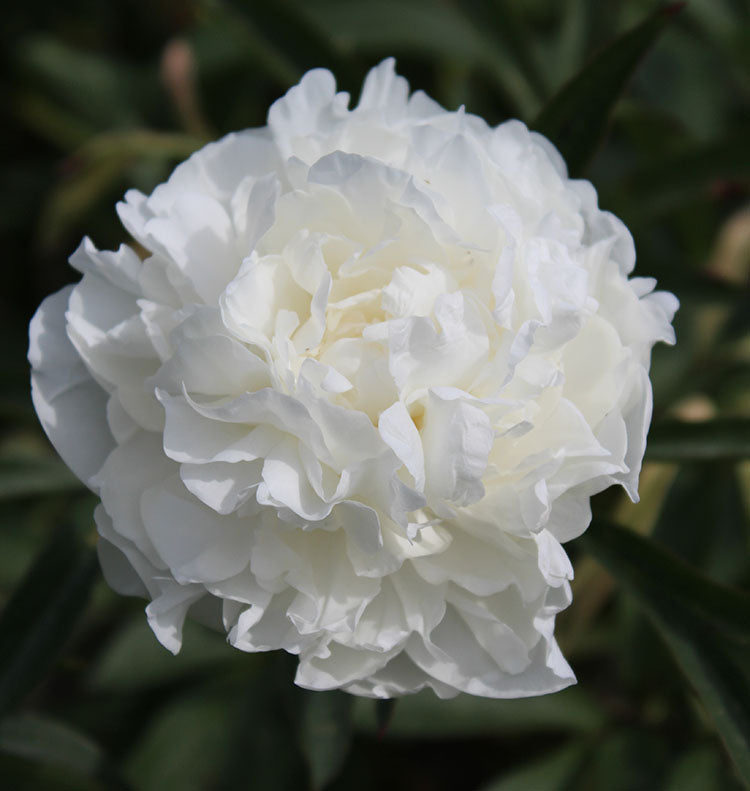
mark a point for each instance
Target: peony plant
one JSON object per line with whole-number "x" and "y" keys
{"x": 356, "y": 389}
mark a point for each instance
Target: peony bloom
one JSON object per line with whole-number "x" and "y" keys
{"x": 359, "y": 392}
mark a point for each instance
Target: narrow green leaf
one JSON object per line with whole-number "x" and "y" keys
{"x": 706, "y": 626}
{"x": 43, "y": 740}
{"x": 699, "y": 769}
{"x": 134, "y": 660}
{"x": 326, "y": 734}
{"x": 25, "y": 476}
{"x": 626, "y": 758}
{"x": 652, "y": 572}
{"x": 721, "y": 680}
{"x": 551, "y": 772}
{"x": 418, "y": 27}
{"x": 98, "y": 166}
{"x": 98, "y": 89}
{"x": 384, "y": 711}
{"x": 499, "y": 21}
{"x": 280, "y": 22}
{"x": 19, "y": 774}
{"x": 46, "y": 118}
{"x": 138, "y": 143}
{"x": 576, "y": 118}
{"x": 264, "y": 744}
{"x": 723, "y": 438}
{"x": 75, "y": 195}
{"x": 682, "y": 178}
{"x": 183, "y": 746}
{"x": 425, "y": 716}
{"x": 43, "y": 612}
{"x": 707, "y": 493}
{"x": 226, "y": 38}
{"x": 568, "y": 48}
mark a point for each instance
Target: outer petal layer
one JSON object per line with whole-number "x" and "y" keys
{"x": 363, "y": 384}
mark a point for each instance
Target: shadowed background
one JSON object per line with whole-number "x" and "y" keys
{"x": 100, "y": 97}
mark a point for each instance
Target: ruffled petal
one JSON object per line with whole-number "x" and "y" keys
{"x": 71, "y": 406}
{"x": 371, "y": 370}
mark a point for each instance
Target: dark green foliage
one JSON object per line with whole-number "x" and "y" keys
{"x": 42, "y": 612}
{"x": 707, "y": 626}
{"x": 711, "y": 440}
{"x": 576, "y": 118}
{"x": 655, "y": 105}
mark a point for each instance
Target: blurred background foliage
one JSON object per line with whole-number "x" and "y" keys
{"x": 102, "y": 96}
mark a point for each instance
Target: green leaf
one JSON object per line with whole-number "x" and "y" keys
{"x": 20, "y": 774}
{"x": 43, "y": 612}
{"x": 652, "y": 572}
{"x": 499, "y": 19}
{"x": 700, "y": 769}
{"x": 43, "y": 740}
{"x": 96, "y": 88}
{"x": 140, "y": 143}
{"x": 551, "y": 772}
{"x": 673, "y": 181}
{"x": 707, "y": 493}
{"x": 425, "y": 716}
{"x": 264, "y": 732}
{"x": 625, "y": 759}
{"x": 710, "y": 440}
{"x": 720, "y": 677}
{"x": 226, "y": 38}
{"x": 98, "y": 166}
{"x": 135, "y": 660}
{"x": 25, "y": 476}
{"x": 183, "y": 746}
{"x": 706, "y": 626}
{"x": 280, "y": 22}
{"x": 567, "y": 50}
{"x": 385, "y": 708}
{"x": 74, "y": 196}
{"x": 326, "y": 734}
{"x": 576, "y": 118}
{"x": 46, "y": 118}
{"x": 418, "y": 27}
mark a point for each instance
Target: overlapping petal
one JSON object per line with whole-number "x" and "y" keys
{"x": 359, "y": 390}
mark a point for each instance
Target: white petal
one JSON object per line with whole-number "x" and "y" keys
{"x": 306, "y": 108}
{"x": 212, "y": 365}
{"x": 119, "y": 571}
{"x": 71, "y": 406}
{"x": 166, "y": 614}
{"x": 331, "y": 596}
{"x": 484, "y": 570}
{"x": 367, "y": 378}
{"x": 341, "y": 666}
{"x": 457, "y": 439}
{"x": 384, "y": 91}
{"x": 197, "y": 544}
{"x": 400, "y": 434}
{"x": 221, "y": 485}
{"x": 197, "y": 229}
{"x": 285, "y": 484}
{"x": 122, "y": 268}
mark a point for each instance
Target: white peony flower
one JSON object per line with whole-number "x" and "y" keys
{"x": 361, "y": 389}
